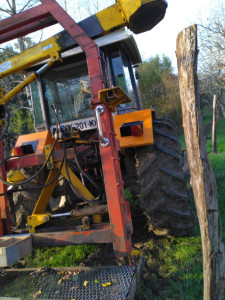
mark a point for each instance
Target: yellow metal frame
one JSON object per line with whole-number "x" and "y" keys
{"x": 36, "y": 220}
{"x": 112, "y": 97}
{"x": 46, "y": 193}
{"x": 39, "y": 216}
{"x": 17, "y": 89}
{"x": 147, "y": 138}
{"x": 50, "y": 163}
{"x": 78, "y": 185}
{"x": 15, "y": 176}
{"x": 55, "y": 56}
{"x": 112, "y": 18}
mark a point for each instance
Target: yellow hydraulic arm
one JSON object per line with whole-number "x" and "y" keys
{"x": 138, "y": 15}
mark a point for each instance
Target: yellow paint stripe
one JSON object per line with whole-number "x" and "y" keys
{"x": 111, "y": 17}
{"x": 30, "y": 57}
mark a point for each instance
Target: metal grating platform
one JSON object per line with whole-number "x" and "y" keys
{"x": 68, "y": 283}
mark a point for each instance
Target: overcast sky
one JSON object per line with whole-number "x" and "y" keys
{"x": 180, "y": 14}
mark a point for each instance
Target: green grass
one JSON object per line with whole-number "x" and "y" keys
{"x": 173, "y": 267}
{"x": 69, "y": 256}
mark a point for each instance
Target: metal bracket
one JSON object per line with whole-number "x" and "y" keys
{"x": 50, "y": 163}
{"x": 113, "y": 97}
{"x": 103, "y": 141}
{"x": 35, "y": 220}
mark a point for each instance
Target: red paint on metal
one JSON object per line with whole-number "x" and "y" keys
{"x": 39, "y": 159}
{"x": 1, "y": 227}
{"x": 86, "y": 233}
{"x": 120, "y": 223}
{"x": 25, "y": 162}
{"x": 29, "y": 28}
{"x": 84, "y": 41}
{"x": 118, "y": 210}
{"x": 4, "y": 206}
{"x": 100, "y": 233}
{"x": 17, "y": 25}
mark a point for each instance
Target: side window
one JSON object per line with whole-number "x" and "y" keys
{"x": 36, "y": 104}
{"x": 118, "y": 71}
{"x": 130, "y": 91}
{"x": 122, "y": 78}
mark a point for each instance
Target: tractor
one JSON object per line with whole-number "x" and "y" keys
{"x": 92, "y": 136}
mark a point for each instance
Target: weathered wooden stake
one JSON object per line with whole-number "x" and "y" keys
{"x": 202, "y": 177}
{"x": 214, "y": 144}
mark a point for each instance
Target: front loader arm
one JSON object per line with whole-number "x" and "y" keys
{"x": 137, "y": 15}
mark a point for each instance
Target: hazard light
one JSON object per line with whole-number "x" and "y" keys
{"x": 23, "y": 150}
{"x": 17, "y": 151}
{"x": 132, "y": 129}
{"x": 136, "y": 130}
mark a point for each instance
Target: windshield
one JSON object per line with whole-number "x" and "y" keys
{"x": 68, "y": 88}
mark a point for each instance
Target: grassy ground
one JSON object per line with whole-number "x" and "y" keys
{"x": 69, "y": 256}
{"x": 174, "y": 266}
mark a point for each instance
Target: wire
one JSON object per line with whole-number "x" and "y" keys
{"x": 85, "y": 174}
{"x": 55, "y": 115}
{"x": 7, "y": 126}
{"x": 42, "y": 167}
{"x": 76, "y": 192}
{"x": 38, "y": 187}
{"x": 32, "y": 177}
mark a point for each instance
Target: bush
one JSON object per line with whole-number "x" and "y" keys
{"x": 160, "y": 89}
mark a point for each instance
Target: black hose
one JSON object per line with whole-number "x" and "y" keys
{"x": 56, "y": 117}
{"x": 35, "y": 175}
{"x": 7, "y": 126}
{"x": 85, "y": 174}
{"x": 76, "y": 192}
{"x": 38, "y": 187}
{"x": 42, "y": 167}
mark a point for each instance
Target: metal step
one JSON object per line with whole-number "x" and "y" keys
{"x": 13, "y": 248}
{"x": 79, "y": 283}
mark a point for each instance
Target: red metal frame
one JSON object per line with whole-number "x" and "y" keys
{"x": 1, "y": 227}
{"x": 100, "y": 233}
{"x": 119, "y": 212}
{"x": 5, "y": 222}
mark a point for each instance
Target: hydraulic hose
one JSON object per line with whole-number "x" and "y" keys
{"x": 42, "y": 167}
{"x": 32, "y": 177}
{"x": 38, "y": 187}
{"x": 85, "y": 174}
{"x": 76, "y": 192}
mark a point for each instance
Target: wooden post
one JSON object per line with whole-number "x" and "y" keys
{"x": 214, "y": 144}
{"x": 202, "y": 178}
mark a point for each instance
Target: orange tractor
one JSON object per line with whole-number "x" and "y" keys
{"x": 91, "y": 131}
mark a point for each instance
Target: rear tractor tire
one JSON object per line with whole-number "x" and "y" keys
{"x": 154, "y": 175}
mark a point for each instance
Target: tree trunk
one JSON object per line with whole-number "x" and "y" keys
{"x": 214, "y": 144}
{"x": 202, "y": 177}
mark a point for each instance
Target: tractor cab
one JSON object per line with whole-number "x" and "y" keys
{"x": 67, "y": 85}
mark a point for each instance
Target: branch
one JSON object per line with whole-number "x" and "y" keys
{"x": 10, "y": 6}
{"x": 7, "y": 11}
{"x": 27, "y": 5}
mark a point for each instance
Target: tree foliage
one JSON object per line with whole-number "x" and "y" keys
{"x": 159, "y": 88}
{"x": 12, "y": 7}
{"x": 211, "y": 55}
{"x": 19, "y": 106}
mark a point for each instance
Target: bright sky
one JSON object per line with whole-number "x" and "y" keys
{"x": 162, "y": 39}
